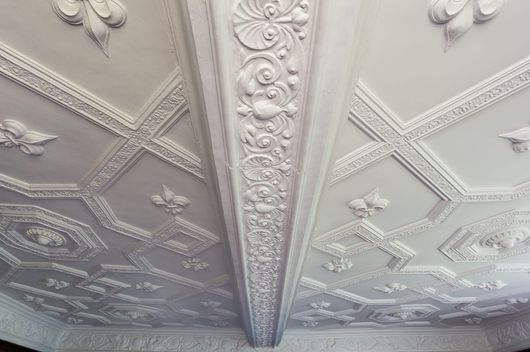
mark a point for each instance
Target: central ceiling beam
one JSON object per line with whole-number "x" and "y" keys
{"x": 276, "y": 76}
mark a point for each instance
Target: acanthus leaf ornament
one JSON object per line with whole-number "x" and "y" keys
{"x": 96, "y": 16}
{"x": 172, "y": 203}
{"x": 270, "y": 34}
{"x": 391, "y": 288}
{"x": 520, "y": 139}
{"x": 369, "y": 204}
{"x": 491, "y": 285}
{"x": 459, "y": 15}
{"x": 54, "y": 283}
{"x": 15, "y": 134}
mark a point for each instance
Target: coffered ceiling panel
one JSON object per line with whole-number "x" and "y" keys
{"x": 204, "y": 175}
{"x": 106, "y": 214}
{"x": 428, "y": 173}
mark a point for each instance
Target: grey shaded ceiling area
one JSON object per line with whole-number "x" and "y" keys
{"x": 204, "y": 175}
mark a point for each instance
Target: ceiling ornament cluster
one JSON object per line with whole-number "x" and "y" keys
{"x": 96, "y": 16}
{"x": 15, "y": 134}
{"x": 369, "y": 204}
{"x": 172, "y": 203}
{"x": 338, "y": 265}
{"x": 194, "y": 264}
{"x": 391, "y": 288}
{"x": 403, "y": 313}
{"x": 270, "y": 34}
{"x": 459, "y": 15}
{"x": 491, "y": 239}
{"x": 520, "y": 139}
{"x": 491, "y": 285}
{"x": 54, "y": 283}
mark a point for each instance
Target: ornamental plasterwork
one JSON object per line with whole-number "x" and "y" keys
{"x": 491, "y": 285}
{"x": 320, "y": 305}
{"x": 473, "y": 321}
{"x": 367, "y": 206}
{"x": 47, "y": 234}
{"x": 403, "y": 313}
{"x": 497, "y": 237}
{"x": 458, "y": 16}
{"x": 194, "y": 264}
{"x": 270, "y": 35}
{"x": 147, "y": 286}
{"x": 338, "y": 265}
{"x": 96, "y": 16}
{"x": 391, "y": 288}
{"x": 54, "y": 283}
{"x": 171, "y": 203}
{"x": 15, "y": 134}
{"x": 520, "y": 139}
{"x": 45, "y": 237}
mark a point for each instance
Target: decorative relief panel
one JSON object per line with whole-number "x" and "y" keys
{"x": 96, "y": 16}
{"x": 171, "y": 203}
{"x": 338, "y": 265}
{"x": 15, "y": 134}
{"x": 369, "y": 204}
{"x": 459, "y": 15}
{"x": 270, "y": 34}
{"x": 194, "y": 264}
{"x": 520, "y": 139}
{"x": 500, "y": 236}
{"x": 403, "y": 313}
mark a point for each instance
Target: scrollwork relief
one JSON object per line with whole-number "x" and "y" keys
{"x": 270, "y": 33}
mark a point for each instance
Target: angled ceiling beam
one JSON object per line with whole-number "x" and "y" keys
{"x": 276, "y": 77}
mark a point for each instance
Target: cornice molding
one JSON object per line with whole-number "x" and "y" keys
{"x": 511, "y": 335}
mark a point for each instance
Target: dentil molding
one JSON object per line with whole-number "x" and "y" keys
{"x": 459, "y": 15}
{"x": 96, "y": 16}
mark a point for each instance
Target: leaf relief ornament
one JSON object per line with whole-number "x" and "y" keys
{"x": 369, "y": 204}
{"x": 96, "y": 16}
{"x": 15, "y": 134}
{"x": 459, "y": 15}
{"x": 520, "y": 139}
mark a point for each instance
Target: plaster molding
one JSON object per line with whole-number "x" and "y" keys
{"x": 369, "y": 204}
{"x": 338, "y": 265}
{"x": 458, "y": 16}
{"x": 147, "y": 286}
{"x": 95, "y": 16}
{"x": 510, "y": 335}
{"x": 520, "y": 139}
{"x": 194, "y": 264}
{"x": 15, "y": 134}
{"x": 274, "y": 58}
{"x": 54, "y": 283}
{"x": 172, "y": 203}
{"x": 391, "y": 288}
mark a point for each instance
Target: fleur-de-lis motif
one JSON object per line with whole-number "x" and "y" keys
{"x": 320, "y": 305}
{"x": 338, "y": 265}
{"x": 473, "y": 321}
{"x": 55, "y": 284}
{"x": 147, "y": 286}
{"x": 491, "y": 285}
{"x": 211, "y": 304}
{"x": 220, "y": 323}
{"x": 309, "y": 323}
{"x": 74, "y": 320}
{"x": 390, "y": 288}
{"x": 15, "y": 134}
{"x": 174, "y": 204}
{"x": 512, "y": 301}
{"x": 520, "y": 139}
{"x": 459, "y": 15}
{"x": 33, "y": 299}
{"x": 96, "y": 16}
{"x": 194, "y": 264}
{"x": 366, "y": 206}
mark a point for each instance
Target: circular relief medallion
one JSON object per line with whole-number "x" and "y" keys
{"x": 45, "y": 237}
{"x": 505, "y": 239}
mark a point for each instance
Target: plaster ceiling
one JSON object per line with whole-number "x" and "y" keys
{"x": 248, "y": 168}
